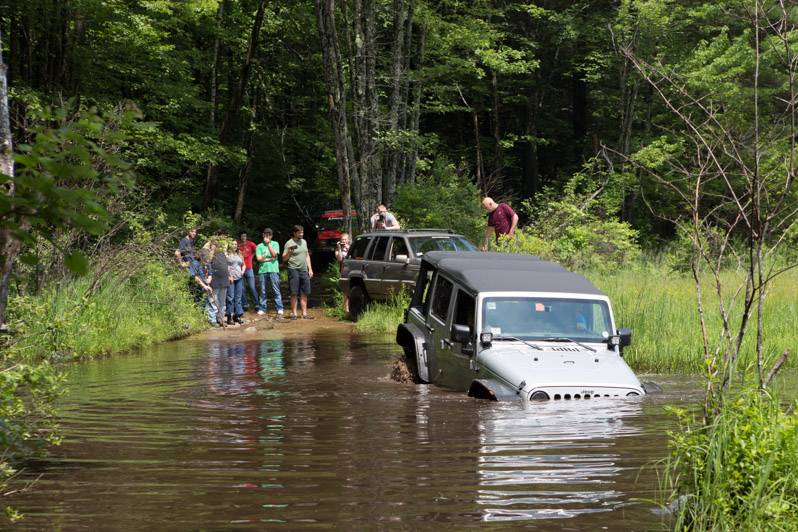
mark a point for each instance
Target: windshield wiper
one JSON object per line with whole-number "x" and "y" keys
{"x": 514, "y": 339}
{"x": 565, "y": 339}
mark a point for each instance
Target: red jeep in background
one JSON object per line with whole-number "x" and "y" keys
{"x": 330, "y": 227}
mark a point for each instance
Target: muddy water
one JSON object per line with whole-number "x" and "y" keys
{"x": 310, "y": 432}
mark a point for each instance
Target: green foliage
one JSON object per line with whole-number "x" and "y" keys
{"x": 577, "y": 228}
{"x": 737, "y": 473}
{"x": 62, "y": 174}
{"x": 441, "y": 199}
{"x": 384, "y": 317}
{"x": 334, "y": 300}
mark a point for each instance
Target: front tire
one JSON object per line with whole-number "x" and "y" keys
{"x": 358, "y": 300}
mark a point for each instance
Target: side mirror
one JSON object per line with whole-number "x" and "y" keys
{"x": 625, "y": 336}
{"x": 404, "y": 259}
{"x": 622, "y": 338}
{"x": 461, "y": 333}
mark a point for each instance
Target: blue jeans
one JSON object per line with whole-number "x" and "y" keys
{"x": 210, "y": 308}
{"x": 249, "y": 281}
{"x": 273, "y": 279}
{"x": 235, "y": 298}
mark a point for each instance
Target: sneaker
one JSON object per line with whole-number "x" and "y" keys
{"x": 238, "y": 320}
{"x": 293, "y": 317}
{"x": 308, "y": 317}
{"x": 280, "y": 312}
{"x": 261, "y": 313}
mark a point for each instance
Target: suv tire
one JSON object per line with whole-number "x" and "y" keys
{"x": 358, "y": 301}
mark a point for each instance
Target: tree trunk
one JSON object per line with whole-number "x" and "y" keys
{"x": 392, "y": 154}
{"x": 498, "y": 159}
{"x": 234, "y": 106}
{"x": 478, "y": 171}
{"x": 404, "y": 154}
{"x": 415, "y": 110}
{"x": 336, "y": 93}
{"x": 371, "y": 183}
{"x": 214, "y": 86}
{"x": 9, "y": 245}
{"x": 243, "y": 177}
{"x": 531, "y": 166}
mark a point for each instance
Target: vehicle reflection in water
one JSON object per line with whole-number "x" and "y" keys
{"x": 554, "y": 459}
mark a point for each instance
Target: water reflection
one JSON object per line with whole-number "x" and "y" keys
{"x": 311, "y": 431}
{"x": 555, "y": 459}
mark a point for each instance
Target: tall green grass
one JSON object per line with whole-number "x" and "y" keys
{"x": 738, "y": 472}
{"x": 74, "y": 319}
{"x": 384, "y": 317}
{"x": 660, "y": 308}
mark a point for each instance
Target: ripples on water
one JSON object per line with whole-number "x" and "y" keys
{"x": 311, "y": 432}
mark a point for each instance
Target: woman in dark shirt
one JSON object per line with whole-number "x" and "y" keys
{"x": 220, "y": 280}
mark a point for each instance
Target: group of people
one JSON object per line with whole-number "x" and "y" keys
{"x": 219, "y": 272}
{"x": 222, "y": 271}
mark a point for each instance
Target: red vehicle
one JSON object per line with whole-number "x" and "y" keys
{"x": 330, "y": 227}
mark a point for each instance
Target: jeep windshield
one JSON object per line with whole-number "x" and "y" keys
{"x": 422, "y": 244}
{"x": 547, "y": 319}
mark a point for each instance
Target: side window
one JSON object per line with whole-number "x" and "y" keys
{"x": 441, "y": 298}
{"x": 421, "y": 293}
{"x": 398, "y": 247}
{"x": 358, "y": 249}
{"x": 464, "y": 309}
{"x": 379, "y": 248}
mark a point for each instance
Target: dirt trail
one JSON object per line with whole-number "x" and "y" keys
{"x": 269, "y": 327}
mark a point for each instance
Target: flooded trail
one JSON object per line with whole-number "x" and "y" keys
{"x": 305, "y": 429}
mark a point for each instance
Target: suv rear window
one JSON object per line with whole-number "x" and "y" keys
{"x": 422, "y": 244}
{"x": 441, "y": 298}
{"x": 358, "y": 250}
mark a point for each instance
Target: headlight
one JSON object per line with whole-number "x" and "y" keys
{"x": 539, "y": 396}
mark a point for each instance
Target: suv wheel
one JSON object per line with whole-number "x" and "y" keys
{"x": 358, "y": 300}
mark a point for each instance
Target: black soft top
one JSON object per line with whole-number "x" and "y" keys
{"x": 508, "y": 272}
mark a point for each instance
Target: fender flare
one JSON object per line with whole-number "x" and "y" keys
{"x": 410, "y": 336}
{"x": 492, "y": 390}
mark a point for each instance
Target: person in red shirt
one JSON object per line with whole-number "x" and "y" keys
{"x": 247, "y": 248}
{"x": 502, "y": 220}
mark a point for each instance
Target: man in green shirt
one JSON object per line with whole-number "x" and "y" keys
{"x": 300, "y": 271}
{"x": 268, "y": 253}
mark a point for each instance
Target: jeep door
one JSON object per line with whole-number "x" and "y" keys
{"x": 374, "y": 266}
{"x": 398, "y": 274}
{"x": 439, "y": 349}
{"x": 460, "y": 365}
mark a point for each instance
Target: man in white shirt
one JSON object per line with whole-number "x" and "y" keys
{"x": 383, "y": 219}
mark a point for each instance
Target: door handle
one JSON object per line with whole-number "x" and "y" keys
{"x": 446, "y": 343}
{"x": 429, "y": 328}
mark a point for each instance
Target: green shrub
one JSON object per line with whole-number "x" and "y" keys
{"x": 738, "y": 472}
{"x": 442, "y": 199}
{"x": 334, "y": 298}
{"x": 384, "y": 317}
{"x": 577, "y": 228}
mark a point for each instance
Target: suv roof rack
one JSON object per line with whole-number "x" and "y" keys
{"x": 430, "y": 229}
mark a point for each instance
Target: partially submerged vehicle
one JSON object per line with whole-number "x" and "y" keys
{"x": 508, "y": 326}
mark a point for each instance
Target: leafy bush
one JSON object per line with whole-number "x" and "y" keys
{"x": 334, "y": 298}
{"x": 737, "y": 473}
{"x": 577, "y": 229}
{"x": 441, "y": 199}
{"x": 384, "y": 317}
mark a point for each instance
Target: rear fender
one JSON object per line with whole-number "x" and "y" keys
{"x": 412, "y": 338}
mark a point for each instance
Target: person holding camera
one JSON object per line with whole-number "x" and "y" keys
{"x": 300, "y": 271}
{"x": 341, "y": 251}
{"x": 383, "y": 219}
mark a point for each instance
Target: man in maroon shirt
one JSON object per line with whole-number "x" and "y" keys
{"x": 247, "y": 248}
{"x": 502, "y": 220}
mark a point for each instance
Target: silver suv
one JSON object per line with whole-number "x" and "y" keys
{"x": 381, "y": 262}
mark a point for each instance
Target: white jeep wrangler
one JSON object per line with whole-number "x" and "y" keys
{"x": 506, "y": 326}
